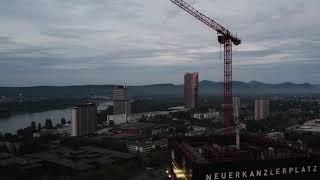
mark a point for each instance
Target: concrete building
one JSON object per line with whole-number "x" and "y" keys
{"x": 123, "y": 118}
{"x": 144, "y": 149}
{"x": 209, "y": 115}
{"x": 261, "y": 109}
{"x": 236, "y": 107}
{"x": 276, "y": 136}
{"x": 121, "y": 100}
{"x": 191, "y": 90}
{"x": 64, "y": 160}
{"x": 309, "y": 127}
{"x": 65, "y": 130}
{"x": 84, "y": 119}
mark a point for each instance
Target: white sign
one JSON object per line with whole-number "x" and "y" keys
{"x": 262, "y": 173}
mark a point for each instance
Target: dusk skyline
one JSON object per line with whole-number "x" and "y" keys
{"x": 147, "y": 42}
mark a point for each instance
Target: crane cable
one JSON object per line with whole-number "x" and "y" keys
{"x": 220, "y": 52}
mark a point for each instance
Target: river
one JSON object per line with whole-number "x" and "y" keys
{"x": 18, "y": 121}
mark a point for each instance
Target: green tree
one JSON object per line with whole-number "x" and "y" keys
{"x": 39, "y": 126}
{"x": 25, "y": 133}
{"x": 111, "y": 123}
{"x": 33, "y": 126}
{"x": 48, "y": 124}
{"x": 20, "y": 132}
{"x": 63, "y": 121}
{"x": 8, "y": 136}
{"x": 158, "y": 158}
{"x": 58, "y": 126}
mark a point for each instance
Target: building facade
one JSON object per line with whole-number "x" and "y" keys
{"x": 236, "y": 107}
{"x": 144, "y": 149}
{"x": 191, "y": 90}
{"x": 209, "y": 115}
{"x": 84, "y": 119}
{"x": 123, "y": 118}
{"x": 261, "y": 109}
{"x": 121, "y": 100}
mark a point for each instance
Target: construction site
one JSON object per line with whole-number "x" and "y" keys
{"x": 230, "y": 154}
{"x": 216, "y": 157}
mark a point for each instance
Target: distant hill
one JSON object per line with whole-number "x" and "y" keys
{"x": 205, "y": 88}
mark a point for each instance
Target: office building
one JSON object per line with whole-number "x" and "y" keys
{"x": 121, "y": 100}
{"x": 191, "y": 90}
{"x": 236, "y": 107}
{"x": 261, "y": 109}
{"x": 208, "y": 115}
{"x": 84, "y": 119}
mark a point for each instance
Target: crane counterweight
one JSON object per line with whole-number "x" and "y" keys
{"x": 221, "y": 39}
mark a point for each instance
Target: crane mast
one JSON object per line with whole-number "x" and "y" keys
{"x": 226, "y": 38}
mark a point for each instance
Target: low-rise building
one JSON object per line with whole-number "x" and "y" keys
{"x": 65, "y": 130}
{"x": 48, "y": 132}
{"x": 209, "y": 115}
{"x": 123, "y": 118}
{"x": 12, "y": 147}
{"x": 196, "y": 131}
{"x": 22, "y": 163}
{"x": 144, "y": 149}
{"x": 275, "y": 136}
{"x": 80, "y": 159}
{"x": 312, "y": 126}
{"x": 179, "y": 109}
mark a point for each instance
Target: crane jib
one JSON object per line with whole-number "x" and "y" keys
{"x": 226, "y": 38}
{"x": 208, "y": 21}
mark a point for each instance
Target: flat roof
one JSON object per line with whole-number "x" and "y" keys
{"x": 109, "y": 152}
{"x": 136, "y": 126}
{"x": 218, "y": 148}
{"x": 82, "y": 158}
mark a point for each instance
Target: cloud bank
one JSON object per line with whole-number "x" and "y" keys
{"x": 57, "y": 42}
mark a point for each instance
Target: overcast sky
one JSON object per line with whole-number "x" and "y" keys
{"x": 74, "y": 42}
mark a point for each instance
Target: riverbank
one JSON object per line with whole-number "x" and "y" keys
{"x": 10, "y": 109}
{"x": 50, "y": 110}
{"x": 19, "y": 121}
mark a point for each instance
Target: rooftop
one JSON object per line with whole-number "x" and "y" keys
{"x": 219, "y": 149}
{"x": 83, "y": 158}
{"x": 312, "y": 126}
{"x": 136, "y": 126}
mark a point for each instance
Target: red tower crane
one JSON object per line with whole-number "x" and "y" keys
{"x": 226, "y": 38}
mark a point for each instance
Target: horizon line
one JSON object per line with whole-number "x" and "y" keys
{"x": 154, "y": 84}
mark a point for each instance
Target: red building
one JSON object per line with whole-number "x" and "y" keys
{"x": 191, "y": 90}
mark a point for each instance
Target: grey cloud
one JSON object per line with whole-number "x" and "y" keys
{"x": 89, "y": 41}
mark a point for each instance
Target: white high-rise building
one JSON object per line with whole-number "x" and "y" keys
{"x": 84, "y": 119}
{"x": 236, "y": 107}
{"x": 261, "y": 109}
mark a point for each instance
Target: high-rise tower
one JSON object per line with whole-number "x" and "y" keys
{"x": 191, "y": 90}
{"x": 261, "y": 109}
{"x": 84, "y": 119}
{"x": 121, "y": 101}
